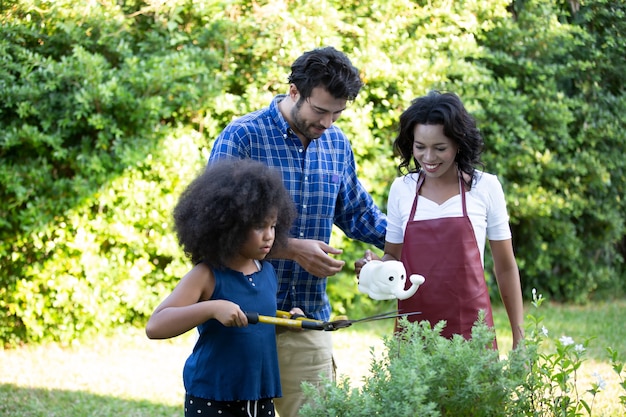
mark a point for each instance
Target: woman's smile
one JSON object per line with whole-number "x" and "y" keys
{"x": 433, "y": 150}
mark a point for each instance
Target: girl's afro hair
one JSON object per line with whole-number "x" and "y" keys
{"x": 218, "y": 209}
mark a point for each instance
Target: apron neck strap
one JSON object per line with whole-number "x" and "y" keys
{"x": 420, "y": 181}
{"x": 462, "y": 192}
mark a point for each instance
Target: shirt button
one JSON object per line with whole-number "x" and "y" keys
{"x": 300, "y": 150}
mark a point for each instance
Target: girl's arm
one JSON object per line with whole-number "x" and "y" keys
{"x": 508, "y": 278}
{"x": 189, "y": 305}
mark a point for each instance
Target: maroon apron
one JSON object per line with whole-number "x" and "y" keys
{"x": 445, "y": 252}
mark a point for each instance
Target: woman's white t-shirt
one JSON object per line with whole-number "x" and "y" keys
{"x": 486, "y": 208}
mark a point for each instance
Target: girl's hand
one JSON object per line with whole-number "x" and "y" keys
{"x": 295, "y": 312}
{"x": 228, "y": 313}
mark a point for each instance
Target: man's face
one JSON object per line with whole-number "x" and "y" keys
{"x": 312, "y": 116}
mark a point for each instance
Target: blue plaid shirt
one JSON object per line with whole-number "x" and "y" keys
{"x": 323, "y": 183}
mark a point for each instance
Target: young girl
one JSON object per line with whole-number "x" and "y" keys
{"x": 227, "y": 221}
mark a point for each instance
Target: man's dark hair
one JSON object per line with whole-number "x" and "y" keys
{"x": 328, "y": 68}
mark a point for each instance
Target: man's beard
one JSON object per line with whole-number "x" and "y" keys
{"x": 301, "y": 126}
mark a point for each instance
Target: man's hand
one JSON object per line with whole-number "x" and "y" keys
{"x": 314, "y": 257}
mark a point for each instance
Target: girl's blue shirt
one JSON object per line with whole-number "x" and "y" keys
{"x": 237, "y": 363}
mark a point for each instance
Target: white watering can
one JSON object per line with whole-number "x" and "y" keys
{"x": 385, "y": 280}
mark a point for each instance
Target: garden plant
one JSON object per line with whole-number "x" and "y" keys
{"x": 425, "y": 374}
{"x": 107, "y": 108}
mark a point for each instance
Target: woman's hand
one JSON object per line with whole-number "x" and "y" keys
{"x": 367, "y": 256}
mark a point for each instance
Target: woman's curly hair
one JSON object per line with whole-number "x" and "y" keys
{"x": 218, "y": 209}
{"x": 445, "y": 109}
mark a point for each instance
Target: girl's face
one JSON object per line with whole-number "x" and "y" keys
{"x": 260, "y": 239}
{"x": 433, "y": 151}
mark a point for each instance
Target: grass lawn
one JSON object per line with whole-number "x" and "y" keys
{"x": 132, "y": 376}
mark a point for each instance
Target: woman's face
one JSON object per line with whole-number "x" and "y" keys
{"x": 433, "y": 151}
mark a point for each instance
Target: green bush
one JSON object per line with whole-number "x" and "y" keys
{"x": 108, "y": 108}
{"x": 425, "y": 374}
{"x": 552, "y": 117}
{"x": 422, "y": 373}
{"x": 91, "y": 152}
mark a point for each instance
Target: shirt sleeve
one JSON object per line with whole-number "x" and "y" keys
{"x": 232, "y": 142}
{"x": 356, "y": 214}
{"x": 498, "y": 227}
{"x": 399, "y": 204}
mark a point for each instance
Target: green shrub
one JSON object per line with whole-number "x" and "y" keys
{"x": 553, "y": 137}
{"x": 92, "y": 156}
{"x": 98, "y": 98}
{"x": 424, "y": 374}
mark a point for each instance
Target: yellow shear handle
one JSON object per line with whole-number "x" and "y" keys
{"x": 283, "y": 318}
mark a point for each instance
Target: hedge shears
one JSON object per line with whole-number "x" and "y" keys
{"x": 284, "y": 318}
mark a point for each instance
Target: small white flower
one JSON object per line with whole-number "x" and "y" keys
{"x": 544, "y": 331}
{"x": 599, "y": 380}
{"x": 579, "y": 348}
{"x": 566, "y": 340}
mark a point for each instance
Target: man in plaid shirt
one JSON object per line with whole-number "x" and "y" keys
{"x": 297, "y": 136}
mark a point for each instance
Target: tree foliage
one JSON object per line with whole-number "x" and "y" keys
{"x": 564, "y": 187}
{"x": 107, "y": 109}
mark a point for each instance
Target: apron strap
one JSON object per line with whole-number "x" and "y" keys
{"x": 462, "y": 191}
{"x": 420, "y": 181}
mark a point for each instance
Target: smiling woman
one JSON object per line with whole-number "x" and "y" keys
{"x": 434, "y": 151}
{"x": 440, "y": 214}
